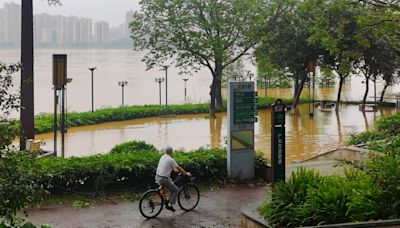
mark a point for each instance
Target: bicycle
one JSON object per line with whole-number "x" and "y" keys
{"x": 152, "y": 201}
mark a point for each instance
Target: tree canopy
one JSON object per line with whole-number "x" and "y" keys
{"x": 192, "y": 34}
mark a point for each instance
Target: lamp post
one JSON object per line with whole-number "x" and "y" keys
{"x": 265, "y": 84}
{"x": 69, "y": 80}
{"x": 122, "y": 84}
{"x": 185, "y": 80}
{"x": 166, "y": 85}
{"x": 250, "y": 75}
{"x": 159, "y": 81}
{"x": 311, "y": 69}
{"x": 92, "y": 69}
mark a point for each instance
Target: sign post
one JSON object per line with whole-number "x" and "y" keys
{"x": 59, "y": 81}
{"x": 278, "y": 156}
{"x": 242, "y": 106}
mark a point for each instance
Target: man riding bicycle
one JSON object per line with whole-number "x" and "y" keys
{"x": 163, "y": 173}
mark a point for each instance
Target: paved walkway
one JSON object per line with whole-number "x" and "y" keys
{"x": 220, "y": 208}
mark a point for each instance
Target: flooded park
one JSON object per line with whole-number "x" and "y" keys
{"x": 306, "y": 136}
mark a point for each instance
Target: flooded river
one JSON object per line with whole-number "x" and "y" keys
{"x": 306, "y": 136}
{"x": 117, "y": 65}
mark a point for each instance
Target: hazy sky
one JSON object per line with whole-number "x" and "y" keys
{"x": 112, "y": 11}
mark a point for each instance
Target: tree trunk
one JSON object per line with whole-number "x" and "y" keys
{"x": 217, "y": 81}
{"x": 218, "y": 95}
{"x": 213, "y": 98}
{"x": 296, "y": 87}
{"x": 341, "y": 80}
{"x": 366, "y": 90}
{"x": 383, "y": 92}
{"x": 297, "y": 95}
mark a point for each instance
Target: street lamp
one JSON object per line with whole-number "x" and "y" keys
{"x": 159, "y": 81}
{"x": 265, "y": 84}
{"x": 311, "y": 69}
{"x": 166, "y": 85}
{"x": 250, "y": 75}
{"x": 122, "y": 84}
{"x": 92, "y": 69}
{"x": 185, "y": 80}
{"x": 69, "y": 80}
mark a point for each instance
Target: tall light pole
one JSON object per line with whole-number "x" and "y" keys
{"x": 311, "y": 69}
{"x": 92, "y": 69}
{"x": 69, "y": 80}
{"x": 265, "y": 84}
{"x": 122, "y": 84}
{"x": 159, "y": 81}
{"x": 185, "y": 80}
{"x": 166, "y": 85}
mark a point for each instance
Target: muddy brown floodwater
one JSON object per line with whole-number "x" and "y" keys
{"x": 305, "y": 136}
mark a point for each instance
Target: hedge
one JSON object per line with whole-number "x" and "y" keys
{"x": 130, "y": 168}
{"x": 44, "y": 122}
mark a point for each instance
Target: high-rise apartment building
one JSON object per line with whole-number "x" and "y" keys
{"x": 57, "y": 30}
{"x": 3, "y": 28}
{"x": 12, "y": 22}
{"x": 128, "y": 19}
{"x": 68, "y": 30}
{"x": 101, "y": 32}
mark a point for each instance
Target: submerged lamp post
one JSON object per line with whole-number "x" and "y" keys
{"x": 122, "y": 84}
{"x": 166, "y": 85}
{"x": 185, "y": 80}
{"x": 311, "y": 68}
{"x": 92, "y": 69}
{"x": 159, "y": 81}
{"x": 265, "y": 84}
{"x": 69, "y": 80}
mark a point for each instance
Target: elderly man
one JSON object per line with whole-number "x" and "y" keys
{"x": 163, "y": 173}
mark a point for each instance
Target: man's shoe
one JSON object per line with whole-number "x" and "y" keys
{"x": 171, "y": 208}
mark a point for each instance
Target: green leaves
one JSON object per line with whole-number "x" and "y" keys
{"x": 308, "y": 199}
{"x": 21, "y": 183}
{"x": 9, "y": 101}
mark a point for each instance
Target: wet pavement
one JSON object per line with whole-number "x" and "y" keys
{"x": 218, "y": 208}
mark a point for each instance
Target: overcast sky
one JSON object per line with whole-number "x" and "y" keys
{"x": 112, "y": 11}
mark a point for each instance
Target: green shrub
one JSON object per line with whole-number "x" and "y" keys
{"x": 385, "y": 171}
{"x": 390, "y": 125}
{"x": 287, "y": 203}
{"x": 308, "y": 199}
{"x": 365, "y": 137}
{"x": 132, "y": 146}
{"x": 364, "y": 200}
{"x": 21, "y": 184}
{"x": 9, "y": 130}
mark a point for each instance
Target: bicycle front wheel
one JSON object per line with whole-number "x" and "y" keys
{"x": 188, "y": 197}
{"x": 151, "y": 203}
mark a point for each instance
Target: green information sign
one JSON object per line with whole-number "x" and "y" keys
{"x": 244, "y": 106}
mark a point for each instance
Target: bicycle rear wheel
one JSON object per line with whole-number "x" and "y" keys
{"x": 188, "y": 197}
{"x": 151, "y": 203}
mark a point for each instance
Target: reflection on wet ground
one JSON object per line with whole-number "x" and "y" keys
{"x": 305, "y": 136}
